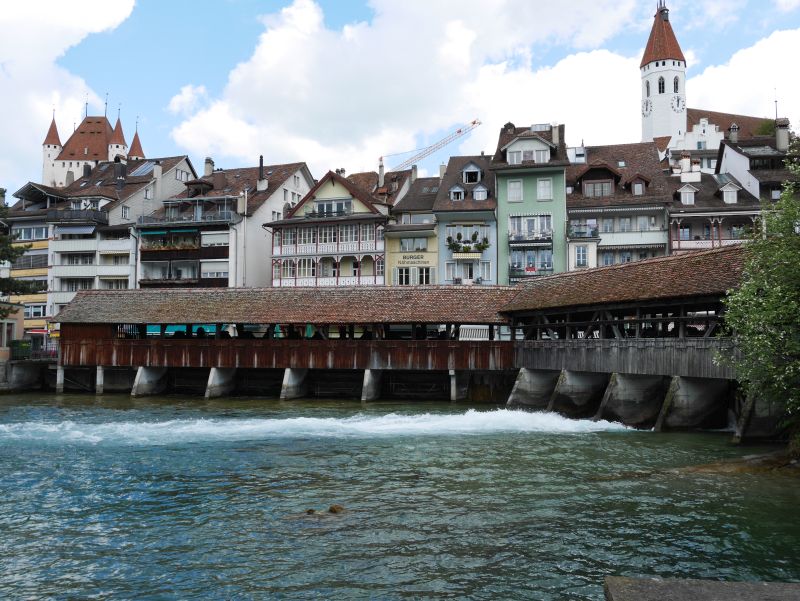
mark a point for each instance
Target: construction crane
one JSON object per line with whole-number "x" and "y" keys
{"x": 429, "y": 150}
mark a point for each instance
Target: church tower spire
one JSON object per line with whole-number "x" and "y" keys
{"x": 663, "y": 73}
{"x": 51, "y": 148}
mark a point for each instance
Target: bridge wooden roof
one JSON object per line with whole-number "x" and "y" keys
{"x": 363, "y": 305}
{"x": 697, "y": 274}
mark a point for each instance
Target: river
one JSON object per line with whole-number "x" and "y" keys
{"x": 178, "y": 498}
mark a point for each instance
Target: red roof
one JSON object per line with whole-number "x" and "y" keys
{"x": 662, "y": 43}
{"x": 117, "y": 137}
{"x": 89, "y": 142}
{"x": 136, "y": 147}
{"x": 52, "y": 134}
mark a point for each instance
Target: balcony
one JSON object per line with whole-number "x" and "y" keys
{"x": 79, "y": 245}
{"x": 583, "y": 231}
{"x": 191, "y": 217}
{"x": 634, "y": 238}
{"x": 364, "y": 280}
{"x": 75, "y": 271}
{"x": 77, "y": 215}
{"x": 529, "y": 272}
{"x": 327, "y": 214}
{"x": 328, "y": 248}
{"x": 29, "y": 262}
{"x": 704, "y": 244}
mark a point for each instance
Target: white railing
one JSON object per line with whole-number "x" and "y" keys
{"x": 328, "y": 248}
{"x": 364, "y": 280}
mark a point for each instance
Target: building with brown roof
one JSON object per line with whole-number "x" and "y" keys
{"x": 93, "y": 142}
{"x": 616, "y": 201}
{"x": 529, "y": 165}
{"x": 332, "y": 237}
{"x": 210, "y": 233}
{"x": 465, "y": 212}
{"x": 389, "y": 188}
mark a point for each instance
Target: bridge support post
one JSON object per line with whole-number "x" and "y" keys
{"x": 633, "y": 400}
{"x": 294, "y": 385}
{"x": 759, "y": 419}
{"x": 533, "y": 388}
{"x": 221, "y": 382}
{"x": 60, "y": 379}
{"x": 694, "y": 403}
{"x": 577, "y": 393}
{"x": 149, "y": 381}
{"x": 459, "y": 385}
{"x": 371, "y": 388}
{"x": 99, "y": 379}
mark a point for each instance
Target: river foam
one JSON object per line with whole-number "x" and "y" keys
{"x": 361, "y": 425}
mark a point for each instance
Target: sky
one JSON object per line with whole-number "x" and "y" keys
{"x": 339, "y": 84}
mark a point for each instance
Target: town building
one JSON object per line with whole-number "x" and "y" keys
{"x": 617, "y": 206}
{"x": 210, "y": 234}
{"x": 529, "y": 165}
{"x": 94, "y": 141}
{"x": 389, "y": 188}
{"x": 412, "y": 251}
{"x": 332, "y": 237}
{"x": 465, "y": 212}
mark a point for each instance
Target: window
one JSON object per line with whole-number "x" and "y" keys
{"x": 514, "y": 187}
{"x": 126, "y": 212}
{"x": 471, "y": 176}
{"x": 30, "y": 233}
{"x": 120, "y": 260}
{"x": 675, "y": 85}
{"x": 296, "y": 181}
{"x": 638, "y": 188}
{"x": 647, "y": 88}
{"x": 75, "y": 205}
{"x": 285, "y": 195}
{"x": 306, "y": 268}
{"x": 642, "y": 255}
{"x": 449, "y": 271}
{"x": 356, "y": 268}
{"x": 148, "y": 193}
{"x": 181, "y": 175}
{"x": 379, "y": 266}
{"x": 608, "y": 258}
{"x": 348, "y": 233}
{"x": 608, "y": 225}
{"x": 425, "y": 276}
{"x": 660, "y": 85}
{"x": 581, "y": 256}
{"x": 308, "y": 235}
{"x": 75, "y": 284}
{"x": 545, "y": 259}
{"x": 486, "y": 271}
{"x": 289, "y": 269}
{"x": 527, "y": 155}
{"x": 456, "y": 194}
{"x": 542, "y": 156}
{"x": 624, "y": 224}
{"x": 625, "y": 256}
{"x": 116, "y": 284}
{"x": 686, "y": 232}
{"x": 544, "y": 189}
{"x": 327, "y": 234}
{"x": 214, "y": 238}
{"x": 514, "y": 157}
{"x": 367, "y": 232}
{"x": 412, "y": 244}
{"x": 706, "y": 231}
{"x": 479, "y": 193}
{"x": 333, "y": 207}
{"x": 642, "y": 223}
{"x": 78, "y": 259}
{"x": 34, "y": 311}
{"x": 687, "y": 197}
{"x": 597, "y": 189}
{"x": 738, "y": 232}
{"x": 404, "y": 276}
{"x": 729, "y": 196}
{"x": 289, "y": 236}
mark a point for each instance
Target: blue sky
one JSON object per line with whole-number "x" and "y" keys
{"x": 340, "y": 83}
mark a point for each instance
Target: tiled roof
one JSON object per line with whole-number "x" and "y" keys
{"x": 748, "y": 125}
{"x": 136, "y": 147}
{"x": 453, "y": 177}
{"x": 708, "y": 196}
{"x": 662, "y": 142}
{"x": 379, "y": 304}
{"x": 662, "y": 43}
{"x": 703, "y": 273}
{"x": 622, "y": 162}
{"x": 392, "y": 184}
{"x": 420, "y": 196}
{"x": 89, "y": 142}
{"x": 117, "y": 137}
{"x": 232, "y": 182}
{"x": 510, "y": 132}
{"x": 356, "y": 192}
{"x": 52, "y": 134}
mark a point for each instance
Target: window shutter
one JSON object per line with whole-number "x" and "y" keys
{"x": 395, "y": 276}
{"x": 433, "y": 275}
{"x": 414, "y": 276}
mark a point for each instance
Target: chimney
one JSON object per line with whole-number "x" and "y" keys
{"x": 261, "y": 184}
{"x": 686, "y": 162}
{"x": 555, "y": 134}
{"x": 442, "y": 169}
{"x": 733, "y": 133}
{"x": 782, "y": 134}
{"x": 209, "y": 167}
{"x": 695, "y": 165}
{"x": 158, "y": 172}
{"x": 87, "y": 170}
{"x": 120, "y": 172}
{"x": 381, "y": 174}
{"x": 413, "y": 173}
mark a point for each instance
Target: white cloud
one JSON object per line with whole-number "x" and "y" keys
{"x": 345, "y": 97}
{"x": 34, "y": 36}
{"x": 188, "y": 100}
{"x": 787, "y": 5}
{"x": 747, "y": 83}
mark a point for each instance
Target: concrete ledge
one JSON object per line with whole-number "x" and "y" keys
{"x": 618, "y": 588}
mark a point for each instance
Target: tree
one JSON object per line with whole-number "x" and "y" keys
{"x": 763, "y": 315}
{"x": 9, "y": 253}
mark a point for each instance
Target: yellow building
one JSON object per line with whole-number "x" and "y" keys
{"x": 411, "y": 241}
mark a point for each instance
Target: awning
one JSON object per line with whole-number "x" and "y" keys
{"x": 74, "y": 229}
{"x": 184, "y": 230}
{"x": 153, "y": 232}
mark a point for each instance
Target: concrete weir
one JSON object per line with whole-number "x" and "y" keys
{"x": 149, "y": 381}
{"x": 371, "y": 388}
{"x": 633, "y": 400}
{"x": 533, "y": 388}
{"x": 694, "y": 403}
{"x": 294, "y": 385}
{"x": 221, "y": 382}
{"x": 578, "y": 394}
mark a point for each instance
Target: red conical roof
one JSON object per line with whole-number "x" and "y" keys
{"x": 662, "y": 43}
{"x": 52, "y": 134}
{"x": 118, "y": 137}
{"x": 136, "y": 147}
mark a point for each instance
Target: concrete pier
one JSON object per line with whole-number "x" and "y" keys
{"x": 294, "y": 385}
{"x": 533, "y": 388}
{"x": 578, "y": 394}
{"x": 221, "y": 382}
{"x": 694, "y": 403}
{"x": 371, "y": 389}
{"x": 149, "y": 381}
{"x": 60, "y": 379}
{"x": 99, "y": 380}
{"x": 459, "y": 385}
{"x": 633, "y": 400}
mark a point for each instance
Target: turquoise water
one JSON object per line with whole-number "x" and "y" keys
{"x": 184, "y": 499}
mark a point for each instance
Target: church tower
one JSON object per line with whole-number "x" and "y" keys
{"x": 51, "y": 148}
{"x": 663, "y": 72}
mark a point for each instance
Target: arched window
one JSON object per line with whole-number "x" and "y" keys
{"x": 660, "y": 85}
{"x": 675, "y": 84}
{"x": 647, "y": 88}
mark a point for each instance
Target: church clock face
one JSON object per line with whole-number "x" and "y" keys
{"x": 647, "y": 107}
{"x": 678, "y": 103}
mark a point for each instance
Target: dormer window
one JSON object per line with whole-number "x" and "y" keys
{"x": 638, "y": 188}
{"x": 471, "y": 175}
{"x": 514, "y": 157}
{"x": 456, "y": 193}
{"x": 687, "y": 197}
{"x": 480, "y": 193}
{"x": 542, "y": 156}
{"x": 729, "y": 196}
{"x": 598, "y": 188}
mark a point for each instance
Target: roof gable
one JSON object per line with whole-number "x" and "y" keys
{"x": 355, "y": 192}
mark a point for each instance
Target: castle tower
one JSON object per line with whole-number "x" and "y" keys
{"x": 136, "y": 151}
{"x": 663, "y": 73}
{"x": 51, "y": 148}
{"x": 117, "y": 144}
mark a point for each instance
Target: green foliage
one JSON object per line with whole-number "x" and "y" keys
{"x": 9, "y": 252}
{"x": 763, "y": 316}
{"x": 766, "y": 128}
